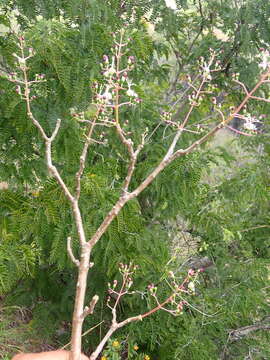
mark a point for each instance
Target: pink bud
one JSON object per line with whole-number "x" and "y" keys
{"x": 180, "y": 306}
{"x": 191, "y": 272}
{"x": 131, "y": 59}
{"x": 105, "y": 59}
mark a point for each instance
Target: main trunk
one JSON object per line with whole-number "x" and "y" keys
{"x": 78, "y": 318}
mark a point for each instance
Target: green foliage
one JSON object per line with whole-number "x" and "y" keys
{"x": 229, "y": 216}
{"x": 117, "y": 348}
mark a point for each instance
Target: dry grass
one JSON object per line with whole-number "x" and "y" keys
{"x": 16, "y": 333}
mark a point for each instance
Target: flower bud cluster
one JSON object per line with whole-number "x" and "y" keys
{"x": 116, "y": 79}
{"x": 152, "y": 289}
{"x": 250, "y": 122}
{"x": 39, "y": 77}
{"x": 22, "y": 59}
{"x": 166, "y": 116}
{"x": 128, "y": 269}
{"x": 23, "y": 87}
{"x": 179, "y": 308}
{"x": 206, "y": 66}
{"x": 175, "y": 303}
{"x": 123, "y": 286}
{"x": 235, "y": 76}
{"x": 194, "y": 99}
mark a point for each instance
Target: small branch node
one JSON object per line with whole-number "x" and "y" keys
{"x": 88, "y": 310}
{"x": 70, "y": 253}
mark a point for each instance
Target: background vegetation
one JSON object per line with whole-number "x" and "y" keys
{"x": 217, "y": 198}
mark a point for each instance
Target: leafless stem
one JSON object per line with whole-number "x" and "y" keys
{"x": 242, "y": 85}
{"x": 255, "y": 227}
{"x": 132, "y": 163}
{"x": 220, "y": 113}
{"x": 84, "y": 154}
{"x": 260, "y": 98}
{"x": 70, "y": 252}
{"x": 48, "y": 140}
{"x": 264, "y": 79}
{"x": 110, "y": 124}
{"x": 221, "y": 125}
{"x": 88, "y": 310}
{"x": 237, "y": 334}
{"x": 238, "y": 131}
{"x": 85, "y": 248}
{"x": 192, "y": 106}
{"x": 103, "y": 342}
{"x": 85, "y": 333}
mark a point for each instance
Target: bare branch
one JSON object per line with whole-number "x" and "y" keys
{"x": 57, "y": 127}
{"x": 126, "y": 142}
{"x": 70, "y": 252}
{"x": 84, "y": 154}
{"x": 132, "y": 164}
{"x": 115, "y": 325}
{"x": 128, "y": 196}
{"x": 220, "y": 113}
{"x": 168, "y": 158}
{"x": 237, "y": 334}
{"x": 85, "y": 333}
{"x": 260, "y": 99}
{"x": 101, "y": 345}
{"x": 238, "y": 131}
{"x": 253, "y": 96}
{"x": 88, "y": 310}
{"x": 198, "y": 93}
{"x": 242, "y": 85}
{"x": 221, "y": 125}
{"x": 53, "y": 170}
{"x": 108, "y": 124}
{"x": 48, "y": 140}
{"x": 255, "y": 227}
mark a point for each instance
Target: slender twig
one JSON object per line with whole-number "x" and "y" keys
{"x": 260, "y": 99}
{"x": 238, "y": 131}
{"x": 242, "y": 85}
{"x": 237, "y": 334}
{"x": 84, "y": 154}
{"x": 252, "y": 96}
{"x": 255, "y": 228}
{"x": 48, "y": 140}
{"x": 132, "y": 163}
{"x": 70, "y": 252}
{"x": 85, "y": 333}
{"x": 198, "y": 93}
